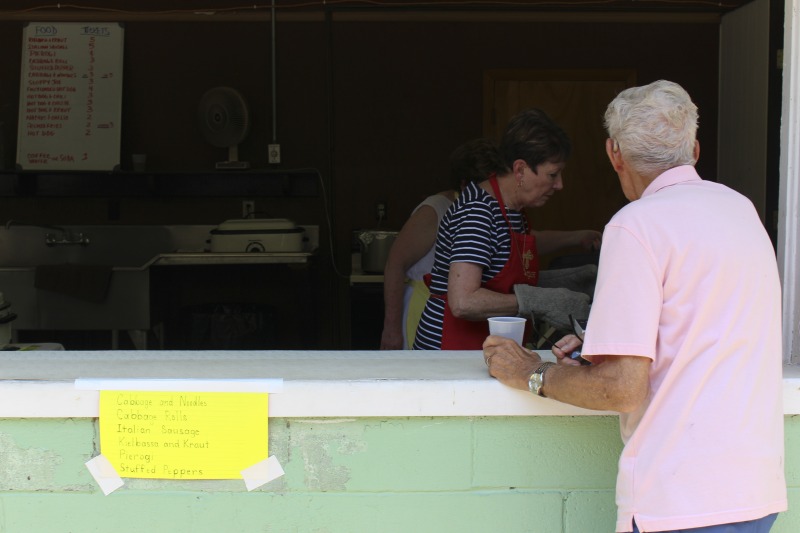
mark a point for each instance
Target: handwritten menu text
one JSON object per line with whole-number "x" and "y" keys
{"x": 183, "y": 435}
{"x": 70, "y": 96}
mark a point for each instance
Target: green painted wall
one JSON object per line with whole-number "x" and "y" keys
{"x": 509, "y": 474}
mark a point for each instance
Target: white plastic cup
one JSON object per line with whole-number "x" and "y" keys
{"x": 512, "y": 327}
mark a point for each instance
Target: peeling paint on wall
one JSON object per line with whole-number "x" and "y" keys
{"x": 319, "y": 443}
{"x": 25, "y": 469}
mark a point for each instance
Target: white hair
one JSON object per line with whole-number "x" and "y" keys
{"x": 655, "y": 126}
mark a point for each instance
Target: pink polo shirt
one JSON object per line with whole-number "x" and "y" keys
{"x": 688, "y": 278}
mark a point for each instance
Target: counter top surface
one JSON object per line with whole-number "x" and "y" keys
{"x": 288, "y": 365}
{"x": 314, "y": 383}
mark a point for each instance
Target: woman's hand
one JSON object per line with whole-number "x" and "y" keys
{"x": 391, "y": 339}
{"x": 509, "y": 362}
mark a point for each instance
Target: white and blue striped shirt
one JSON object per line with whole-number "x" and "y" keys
{"x": 472, "y": 231}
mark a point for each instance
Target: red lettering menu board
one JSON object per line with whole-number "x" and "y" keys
{"x": 70, "y": 96}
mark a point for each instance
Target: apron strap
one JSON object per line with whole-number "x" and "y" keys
{"x": 499, "y": 196}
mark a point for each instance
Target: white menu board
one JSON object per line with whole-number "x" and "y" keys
{"x": 70, "y": 96}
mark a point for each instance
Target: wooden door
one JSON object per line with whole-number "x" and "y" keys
{"x": 576, "y": 100}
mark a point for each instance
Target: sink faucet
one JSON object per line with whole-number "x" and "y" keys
{"x": 64, "y": 235}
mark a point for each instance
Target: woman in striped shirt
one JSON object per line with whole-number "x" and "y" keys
{"x": 485, "y": 245}
{"x": 411, "y": 256}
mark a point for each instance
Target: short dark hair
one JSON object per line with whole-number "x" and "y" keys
{"x": 475, "y": 160}
{"x": 533, "y": 137}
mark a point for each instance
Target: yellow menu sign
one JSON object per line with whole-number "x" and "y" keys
{"x": 183, "y": 435}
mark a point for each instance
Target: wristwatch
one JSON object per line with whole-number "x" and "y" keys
{"x": 536, "y": 381}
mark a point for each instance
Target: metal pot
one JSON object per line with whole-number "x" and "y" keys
{"x": 375, "y": 246}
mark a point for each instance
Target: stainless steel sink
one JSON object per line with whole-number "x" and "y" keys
{"x": 128, "y": 251}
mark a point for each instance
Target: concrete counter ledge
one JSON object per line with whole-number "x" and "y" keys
{"x": 368, "y": 441}
{"x": 41, "y": 384}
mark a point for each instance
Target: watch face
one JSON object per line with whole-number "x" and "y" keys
{"x": 535, "y": 383}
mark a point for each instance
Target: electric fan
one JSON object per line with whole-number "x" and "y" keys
{"x": 225, "y": 122}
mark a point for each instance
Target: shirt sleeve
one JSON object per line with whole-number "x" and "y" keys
{"x": 473, "y": 240}
{"x": 626, "y": 309}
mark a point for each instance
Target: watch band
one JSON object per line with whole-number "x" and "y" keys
{"x": 536, "y": 381}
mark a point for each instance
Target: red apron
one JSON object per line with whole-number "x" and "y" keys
{"x": 522, "y": 267}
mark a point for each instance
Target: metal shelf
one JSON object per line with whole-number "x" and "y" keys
{"x": 212, "y": 258}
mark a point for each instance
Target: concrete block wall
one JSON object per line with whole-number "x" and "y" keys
{"x": 546, "y": 474}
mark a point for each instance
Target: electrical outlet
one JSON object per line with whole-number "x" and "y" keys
{"x": 274, "y": 151}
{"x": 248, "y": 208}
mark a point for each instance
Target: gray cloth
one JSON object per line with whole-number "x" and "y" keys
{"x": 580, "y": 279}
{"x": 552, "y": 306}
